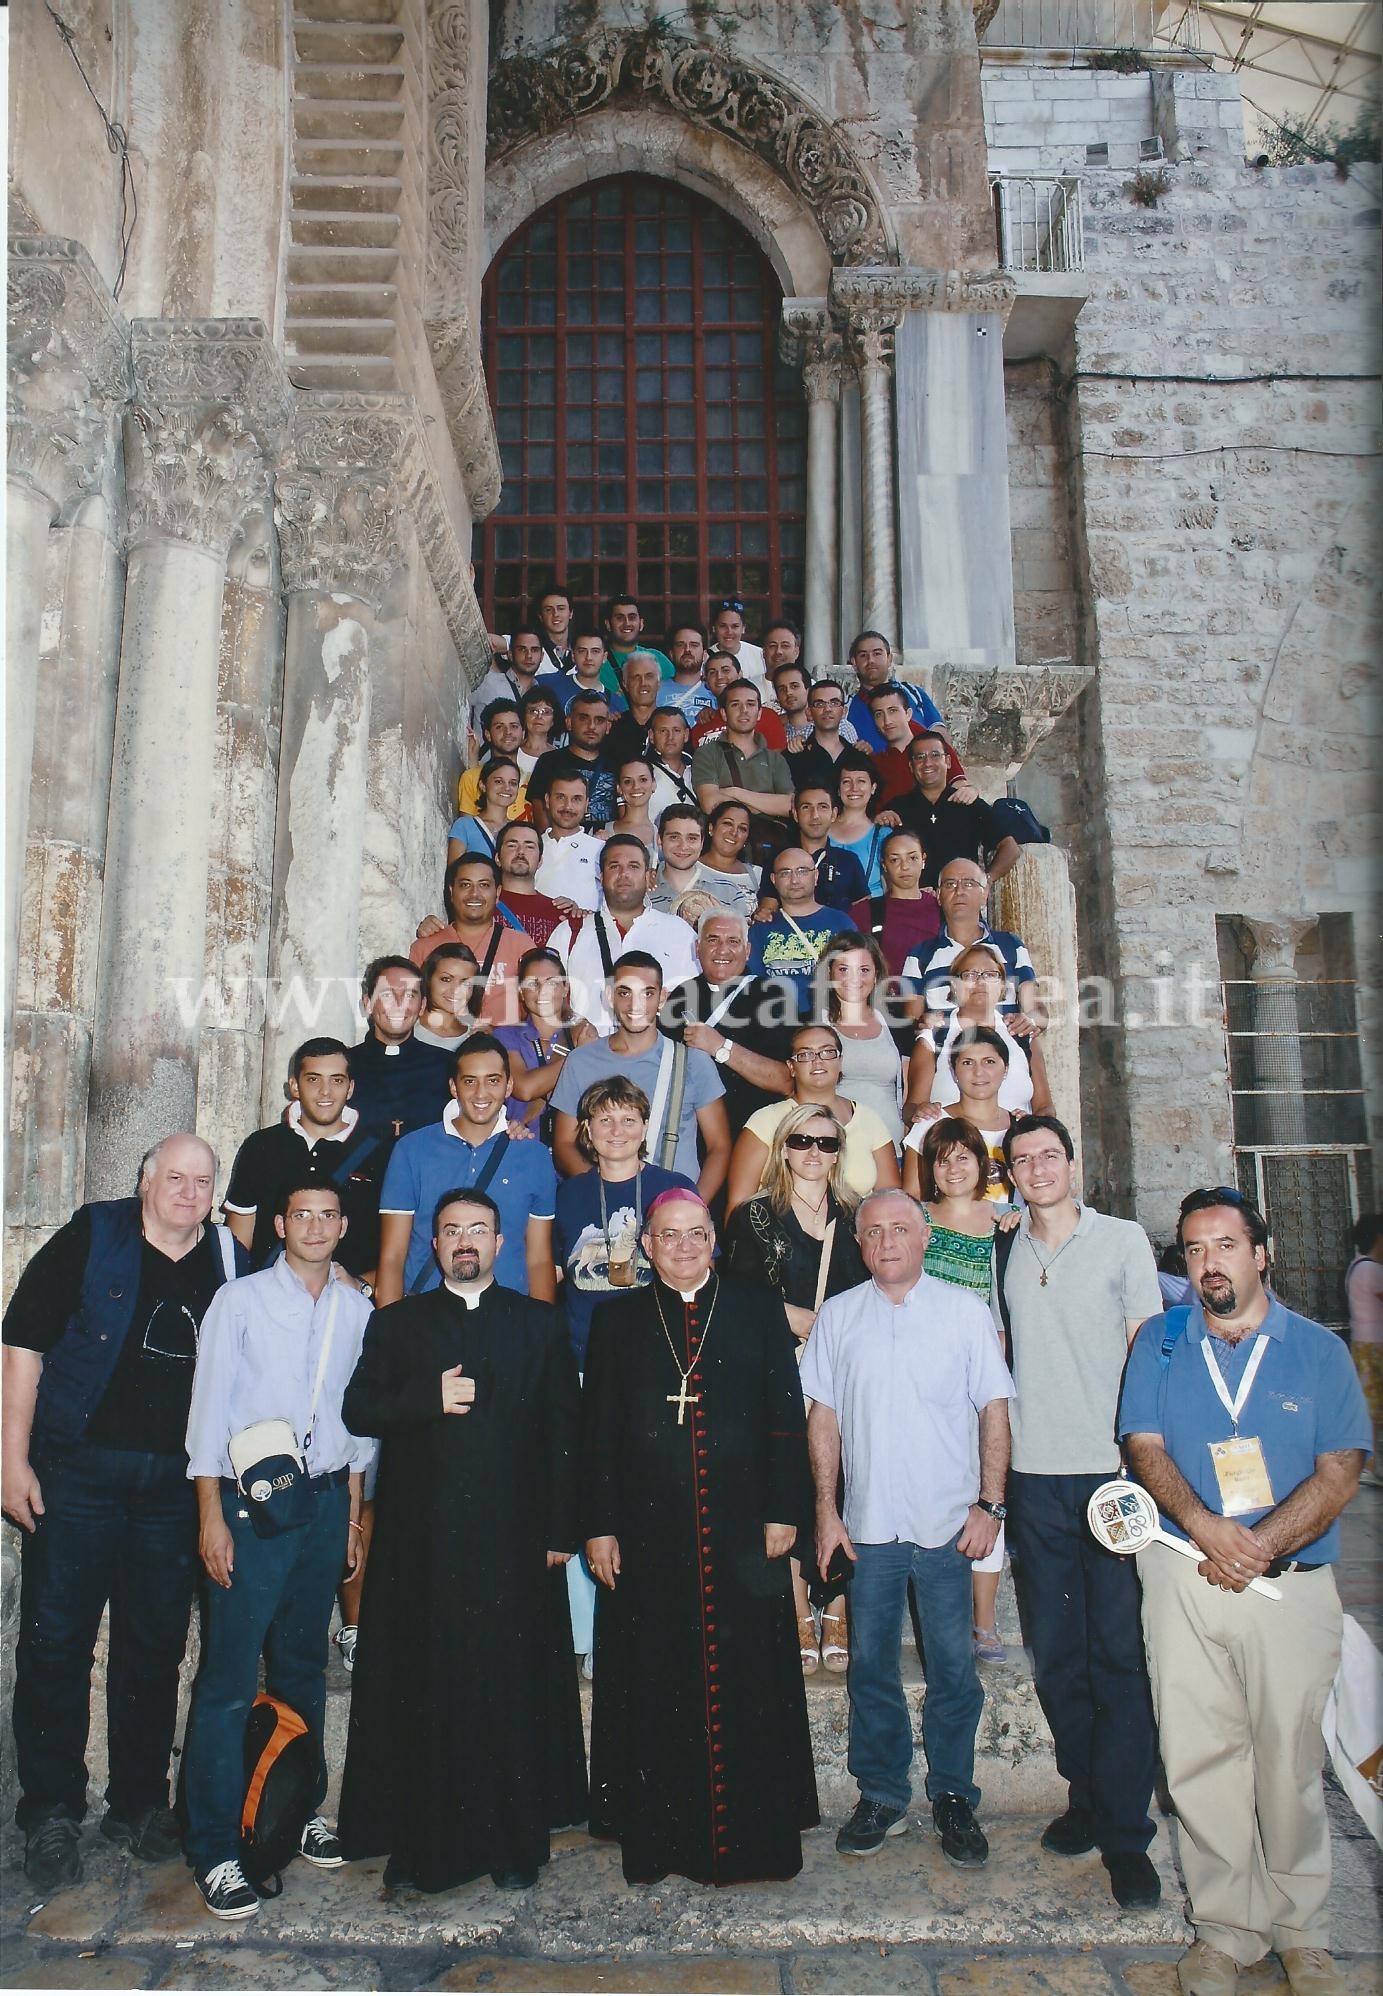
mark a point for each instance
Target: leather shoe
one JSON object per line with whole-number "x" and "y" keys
{"x": 1133, "y": 1880}
{"x": 514, "y": 1881}
{"x": 1311, "y": 1971}
{"x": 1071, "y": 1835}
{"x": 1204, "y": 1971}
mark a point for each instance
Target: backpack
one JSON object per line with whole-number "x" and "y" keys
{"x": 283, "y": 1771}
{"x": 1019, "y": 821}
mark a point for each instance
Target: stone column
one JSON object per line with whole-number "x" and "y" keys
{"x": 209, "y": 401}
{"x": 67, "y": 373}
{"x": 821, "y": 377}
{"x": 1038, "y": 902}
{"x": 871, "y": 340}
{"x": 338, "y": 537}
{"x": 957, "y": 579}
{"x": 1279, "y": 1109}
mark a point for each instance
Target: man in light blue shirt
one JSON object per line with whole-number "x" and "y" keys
{"x": 277, "y": 1346}
{"x": 911, "y": 1395}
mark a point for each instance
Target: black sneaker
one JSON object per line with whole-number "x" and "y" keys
{"x": 867, "y": 1828}
{"x": 1071, "y": 1835}
{"x": 1133, "y": 1880}
{"x": 152, "y": 1834}
{"x": 321, "y": 1846}
{"x": 962, "y": 1839}
{"x": 227, "y": 1891}
{"x": 51, "y": 1854}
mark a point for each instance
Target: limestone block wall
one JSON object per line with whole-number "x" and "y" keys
{"x": 1045, "y": 603}
{"x": 1221, "y": 413}
{"x": 1042, "y": 112}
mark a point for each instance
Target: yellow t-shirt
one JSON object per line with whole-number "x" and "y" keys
{"x": 864, "y": 1134}
{"x": 468, "y": 795}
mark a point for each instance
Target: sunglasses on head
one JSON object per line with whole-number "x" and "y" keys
{"x": 731, "y": 603}
{"x": 803, "y": 1140}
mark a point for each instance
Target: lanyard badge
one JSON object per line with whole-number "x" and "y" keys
{"x": 1241, "y": 1473}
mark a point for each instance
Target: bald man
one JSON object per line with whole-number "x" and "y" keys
{"x": 100, "y": 1342}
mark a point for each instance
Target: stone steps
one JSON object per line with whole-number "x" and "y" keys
{"x": 329, "y": 228}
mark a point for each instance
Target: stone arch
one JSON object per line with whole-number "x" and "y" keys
{"x": 745, "y": 139}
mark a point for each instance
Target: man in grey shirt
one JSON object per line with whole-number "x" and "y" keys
{"x": 911, "y": 1394}
{"x": 1076, "y": 1287}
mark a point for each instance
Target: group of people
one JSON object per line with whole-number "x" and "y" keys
{"x": 687, "y": 1267}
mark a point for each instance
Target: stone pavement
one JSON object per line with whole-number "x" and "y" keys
{"x": 1029, "y": 1925}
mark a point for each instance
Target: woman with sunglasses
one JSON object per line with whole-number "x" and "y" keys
{"x": 727, "y": 835}
{"x": 854, "y": 977}
{"x": 445, "y": 1019}
{"x": 954, "y": 1173}
{"x": 796, "y": 1236}
{"x": 542, "y": 1039}
{"x": 597, "y": 1239}
{"x": 979, "y": 980}
{"x": 869, "y": 1161}
{"x": 859, "y": 826}
{"x": 500, "y": 783}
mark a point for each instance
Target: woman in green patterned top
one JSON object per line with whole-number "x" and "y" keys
{"x": 954, "y": 1171}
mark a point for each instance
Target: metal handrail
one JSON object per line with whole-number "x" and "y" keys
{"x": 1037, "y": 217}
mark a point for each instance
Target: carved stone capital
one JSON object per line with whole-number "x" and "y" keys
{"x": 68, "y": 369}
{"x": 532, "y": 93}
{"x": 1275, "y": 941}
{"x": 209, "y": 409}
{"x": 466, "y": 403}
{"x": 869, "y": 336}
{"x": 809, "y": 340}
{"x": 997, "y": 715}
{"x": 912, "y": 287}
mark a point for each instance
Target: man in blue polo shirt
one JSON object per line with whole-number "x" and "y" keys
{"x": 1247, "y": 1424}
{"x": 472, "y": 1147}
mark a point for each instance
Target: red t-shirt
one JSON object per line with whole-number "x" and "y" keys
{"x": 538, "y": 913}
{"x": 894, "y": 767}
{"x": 907, "y": 926}
{"x": 769, "y": 725}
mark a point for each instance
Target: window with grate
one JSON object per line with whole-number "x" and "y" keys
{"x": 652, "y": 440}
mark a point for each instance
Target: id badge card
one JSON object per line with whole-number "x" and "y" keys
{"x": 1242, "y": 1475}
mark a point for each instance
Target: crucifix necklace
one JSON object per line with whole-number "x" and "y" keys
{"x": 1045, "y": 1265}
{"x": 681, "y": 1400}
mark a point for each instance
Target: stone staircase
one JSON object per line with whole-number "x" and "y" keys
{"x": 354, "y": 221}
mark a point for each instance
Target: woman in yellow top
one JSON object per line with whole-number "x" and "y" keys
{"x": 869, "y": 1163}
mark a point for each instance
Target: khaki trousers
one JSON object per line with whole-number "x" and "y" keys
{"x": 1239, "y": 1683}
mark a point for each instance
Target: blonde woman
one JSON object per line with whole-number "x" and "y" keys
{"x": 796, "y": 1237}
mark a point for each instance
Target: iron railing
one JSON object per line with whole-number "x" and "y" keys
{"x": 1037, "y": 219}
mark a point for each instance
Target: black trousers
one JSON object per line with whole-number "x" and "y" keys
{"x": 117, "y": 1526}
{"x": 1080, "y": 1609}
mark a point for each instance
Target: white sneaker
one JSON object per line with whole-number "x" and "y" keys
{"x": 345, "y": 1640}
{"x": 588, "y": 1666}
{"x": 227, "y": 1891}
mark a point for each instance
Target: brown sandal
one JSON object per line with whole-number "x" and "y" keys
{"x": 806, "y": 1637}
{"x": 835, "y": 1652}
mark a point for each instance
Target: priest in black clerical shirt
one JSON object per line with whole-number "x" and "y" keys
{"x": 694, "y": 1486}
{"x": 465, "y": 1743}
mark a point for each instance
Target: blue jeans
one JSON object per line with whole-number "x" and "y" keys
{"x": 121, "y": 1527}
{"x": 279, "y": 1602}
{"x": 880, "y": 1755}
{"x": 1080, "y": 1607}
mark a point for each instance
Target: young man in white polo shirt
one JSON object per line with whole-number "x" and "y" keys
{"x": 589, "y": 949}
{"x": 569, "y": 870}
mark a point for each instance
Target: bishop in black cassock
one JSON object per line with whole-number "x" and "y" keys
{"x": 694, "y": 1482}
{"x": 465, "y": 1744}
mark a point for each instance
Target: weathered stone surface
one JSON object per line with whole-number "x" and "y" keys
{"x": 247, "y": 1967}
{"x": 864, "y": 1971}
{"x": 1026, "y": 1975}
{"x": 22, "y": 1968}
{"x": 502, "y": 1972}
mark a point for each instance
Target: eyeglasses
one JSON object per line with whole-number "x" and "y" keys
{"x": 804, "y": 1140}
{"x": 978, "y": 976}
{"x": 731, "y": 603}
{"x": 1229, "y": 1194}
{"x": 303, "y": 1216}
{"x": 809, "y": 1054}
{"x": 670, "y": 1237}
{"x": 171, "y": 1332}
{"x": 477, "y": 1230}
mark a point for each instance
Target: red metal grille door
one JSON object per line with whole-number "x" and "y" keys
{"x": 652, "y": 441}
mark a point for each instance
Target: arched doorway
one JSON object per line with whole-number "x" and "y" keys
{"x": 651, "y": 438}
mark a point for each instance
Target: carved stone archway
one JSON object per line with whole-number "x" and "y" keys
{"x": 533, "y": 95}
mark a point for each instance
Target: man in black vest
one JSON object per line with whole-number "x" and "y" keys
{"x": 100, "y": 1342}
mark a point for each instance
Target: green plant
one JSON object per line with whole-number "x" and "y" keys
{"x": 1127, "y": 61}
{"x": 1304, "y": 142}
{"x": 1147, "y": 188}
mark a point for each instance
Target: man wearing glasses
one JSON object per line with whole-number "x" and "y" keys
{"x": 831, "y": 734}
{"x": 790, "y": 945}
{"x": 694, "y": 1488}
{"x": 465, "y": 1744}
{"x": 962, "y": 889}
{"x": 100, "y": 1344}
{"x": 910, "y": 1397}
{"x": 948, "y": 828}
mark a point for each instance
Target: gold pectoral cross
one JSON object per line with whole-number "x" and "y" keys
{"x": 682, "y": 1400}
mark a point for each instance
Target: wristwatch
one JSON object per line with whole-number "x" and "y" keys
{"x": 999, "y": 1511}
{"x": 722, "y": 1054}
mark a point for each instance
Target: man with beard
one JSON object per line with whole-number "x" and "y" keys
{"x": 694, "y": 1485}
{"x": 465, "y": 1744}
{"x": 1247, "y": 1424}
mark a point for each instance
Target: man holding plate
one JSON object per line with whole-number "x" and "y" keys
{"x": 1247, "y": 1424}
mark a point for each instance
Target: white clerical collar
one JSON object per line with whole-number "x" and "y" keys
{"x": 451, "y": 1116}
{"x": 470, "y": 1297}
{"x": 392, "y": 1049}
{"x": 349, "y": 1118}
{"x": 689, "y": 1295}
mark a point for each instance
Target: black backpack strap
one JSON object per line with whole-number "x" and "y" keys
{"x": 353, "y": 1159}
{"x": 481, "y": 985}
{"x": 1003, "y": 1249}
{"x": 607, "y": 962}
